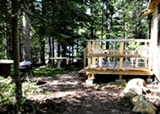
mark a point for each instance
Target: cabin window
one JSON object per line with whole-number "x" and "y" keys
{"x": 158, "y": 42}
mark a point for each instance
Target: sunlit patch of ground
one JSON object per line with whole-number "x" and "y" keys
{"x": 70, "y": 93}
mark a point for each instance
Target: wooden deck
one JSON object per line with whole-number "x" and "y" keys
{"x": 119, "y": 60}
{"x": 113, "y": 68}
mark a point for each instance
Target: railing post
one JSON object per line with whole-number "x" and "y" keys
{"x": 121, "y": 58}
{"x": 121, "y": 52}
{"x": 84, "y": 57}
{"x": 89, "y": 51}
{"x": 93, "y": 58}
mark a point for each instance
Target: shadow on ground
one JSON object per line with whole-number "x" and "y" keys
{"x": 68, "y": 94}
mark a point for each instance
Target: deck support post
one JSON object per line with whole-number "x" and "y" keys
{"x": 89, "y": 51}
{"x": 149, "y": 79}
{"x": 120, "y": 77}
{"x": 91, "y": 76}
{"x": 121, "y": 52}
{"x": 90, "y": 79}
{"x": 121, "y": 58}
{"x": 149, "y": 76}
{"x": 84, "y": 57}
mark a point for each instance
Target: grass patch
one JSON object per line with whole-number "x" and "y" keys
{"x": 123, "y": 84}
{"x": 7, "y": 90}
{"x": 50, "y": 70}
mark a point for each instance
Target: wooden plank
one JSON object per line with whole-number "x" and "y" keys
{"x": 122, "y": 40}
{"x": 116, "y": 51}
{"x": 121, "y": 52}
{"x": 93, "y": 60}
{"x": 120, "y": 77}
{"x": 116, "y": 55}
{"x": 119, "y": 72}
{"x": 124, "y": 69}
{"x": 84, "y": 57}
{"x": 89, "y": 51}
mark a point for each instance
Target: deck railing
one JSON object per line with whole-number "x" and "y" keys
{"x": 96, "y": 52}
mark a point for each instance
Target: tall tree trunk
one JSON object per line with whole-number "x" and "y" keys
{"x": 92, "y": 27}
{"x": 26, "y": 35}
{"x": 102, "y": 29}
{"x": 72, "y": 52}
{"x": 51, "y": 49}
{"x": 42, "y": 34}
{"x": 107, "y": 29}
{"x": 64, "y": 50}
{"x": 9, "y": 47}
{"x": 42, "y": 52}
{"x": 77, "y": 49}
{"x": 15, "y": 43}
{"x": 58, "y": 49}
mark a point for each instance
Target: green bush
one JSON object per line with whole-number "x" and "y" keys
{"x": 123, "y": 84}
{"x": 7, "y": 89}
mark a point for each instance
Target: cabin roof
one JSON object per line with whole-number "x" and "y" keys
{"x": 152, "y": 4}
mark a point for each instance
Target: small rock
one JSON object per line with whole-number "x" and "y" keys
{"x": 130, "y": 95}
{"x": 136, "y": 99}
{"x": 143, "y": 106}
{"x": 136, "y": 86}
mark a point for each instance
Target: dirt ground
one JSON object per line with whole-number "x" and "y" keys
{"x": 68, "y": 94}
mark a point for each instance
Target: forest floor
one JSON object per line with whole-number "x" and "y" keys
{"x": 68, "y": 94}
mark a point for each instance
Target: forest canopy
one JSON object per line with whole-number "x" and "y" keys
{"x": 58, "y": 27}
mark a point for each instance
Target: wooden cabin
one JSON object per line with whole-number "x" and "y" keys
{"x": 153, "y": 13}
{"x": 143, "y": 60}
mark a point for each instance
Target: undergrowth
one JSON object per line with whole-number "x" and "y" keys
{"x": 7, "y": 90}
{"x": 50, "y": 70}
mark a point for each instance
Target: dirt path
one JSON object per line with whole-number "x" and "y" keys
{"x": 68, "y": 94}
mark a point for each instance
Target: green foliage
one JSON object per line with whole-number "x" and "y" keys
{"x": 64, "y": 22}
{"x": 46, "y": 71}
{"x": 29, "y": 90}
{"x": 50, "y": 70}
{"x": 123, "y": 85}
{"x": 126, "y": 101}
{"x": 6, "y": 91}
{"x": 132, "y": 45}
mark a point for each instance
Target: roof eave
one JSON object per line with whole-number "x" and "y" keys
{"x": 152, "y": 4}
{"x": 146, "y": 12}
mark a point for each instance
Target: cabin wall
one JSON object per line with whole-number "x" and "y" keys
{"x": 157, "y": 63}
{"x": 154, "y": 45}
